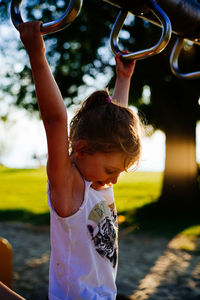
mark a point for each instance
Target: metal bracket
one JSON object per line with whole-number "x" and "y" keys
{"x": 65, "y": 20}
{"x": 162, "y": 43}
{"x": 178, "y": 46}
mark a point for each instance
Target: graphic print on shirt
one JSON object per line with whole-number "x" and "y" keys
{"x": 102, "y": 227}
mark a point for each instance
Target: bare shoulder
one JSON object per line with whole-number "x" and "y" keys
{"x": 67, "y": 191}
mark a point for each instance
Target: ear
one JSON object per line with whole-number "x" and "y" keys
{"x": 80, "y": 148}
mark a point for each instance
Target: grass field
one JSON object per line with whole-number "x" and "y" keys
{"x": 23, "y": 195}
{"x": 26, "y": 189}
{"x": 135, "y": 189}
{"x": 23, "y": 189}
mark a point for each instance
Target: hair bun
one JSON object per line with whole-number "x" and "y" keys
{"x": 95, "y": 99}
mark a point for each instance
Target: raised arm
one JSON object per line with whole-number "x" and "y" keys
{"x": 124, "y": 72}
{"x": 53, "y": 114}
{"x": 48, "y": 94}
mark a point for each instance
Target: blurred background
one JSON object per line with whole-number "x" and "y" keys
{"x": 160, "y": 201}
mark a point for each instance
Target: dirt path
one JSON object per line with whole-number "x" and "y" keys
{"x": 150, "y": 267}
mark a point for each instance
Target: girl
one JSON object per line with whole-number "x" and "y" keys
{"x": 104, "y": 141}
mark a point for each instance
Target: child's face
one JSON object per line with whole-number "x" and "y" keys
{"x": 101, "y": 168}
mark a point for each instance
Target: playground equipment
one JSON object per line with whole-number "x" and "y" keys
{"x": 162, "y": 43}
{"x": 5, "y": 262}
{"x": 65, "y": 20}
{"x": 182, "y": 17}
{"x": 178, "y": 46}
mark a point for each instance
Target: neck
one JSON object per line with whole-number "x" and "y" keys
{"x": 74, "y": 162}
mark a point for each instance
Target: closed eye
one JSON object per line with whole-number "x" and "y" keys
{"x": 110, "y": 172}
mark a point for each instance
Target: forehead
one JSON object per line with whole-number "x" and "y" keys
{"x": 115, "y": 160}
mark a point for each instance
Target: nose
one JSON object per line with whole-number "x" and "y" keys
{"x": 114, "y": 179}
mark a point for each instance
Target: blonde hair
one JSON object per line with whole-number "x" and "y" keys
{"x": 107, "y": 127}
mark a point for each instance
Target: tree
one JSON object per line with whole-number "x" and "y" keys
{"x": 173, "y": 108}
{"x": 74, "y": 54}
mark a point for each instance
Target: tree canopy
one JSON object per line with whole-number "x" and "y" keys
{"x": 76, "y": 54}
{"x": 82, "y": 51}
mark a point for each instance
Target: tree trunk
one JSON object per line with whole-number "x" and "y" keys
{"x": 180, "y": 186}
{"x": 173, "y": 108}
{"x": 180, "y": 175}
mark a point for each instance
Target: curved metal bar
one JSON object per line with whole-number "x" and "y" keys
{"x": 162, "y": 43}
{"x": 65, "y": 20}
{"x": 183, "y": 14}
{"x": 178, "y": 46}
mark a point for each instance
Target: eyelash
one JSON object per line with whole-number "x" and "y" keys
{"x": 109, "y": 172}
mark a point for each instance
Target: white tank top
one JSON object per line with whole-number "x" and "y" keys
{"x": 84, "y": 249}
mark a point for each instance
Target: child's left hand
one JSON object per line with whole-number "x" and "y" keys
{"x": 124, "y": 68}
{"x": 32, "y": 39}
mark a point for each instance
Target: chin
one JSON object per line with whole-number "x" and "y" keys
{"x": 97, "y": 185}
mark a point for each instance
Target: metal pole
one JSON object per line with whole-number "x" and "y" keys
{"x": 183, "y": 14}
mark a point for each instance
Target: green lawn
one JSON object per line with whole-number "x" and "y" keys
{"x": 135, "y": 189}
{"x": 23, "y": 195}
{"x": 25, "y": 189}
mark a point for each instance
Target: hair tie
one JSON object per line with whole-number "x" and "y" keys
{"x": 109, "y": 99}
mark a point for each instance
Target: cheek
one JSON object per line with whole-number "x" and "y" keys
{"x": 96, "y": 174}
{"x": 93, "y": 170}
{"x": 91, "y": 173}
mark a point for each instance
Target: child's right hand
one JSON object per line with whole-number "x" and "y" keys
{"x": 124, "y": 68}
{"x": 31, "y": 37}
